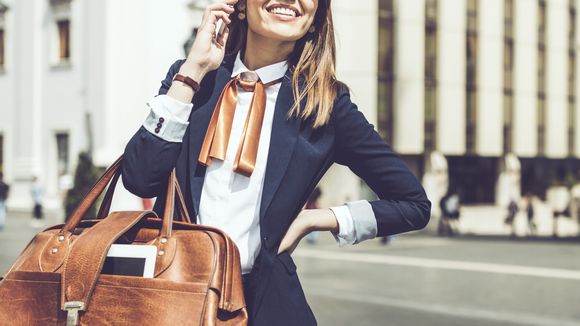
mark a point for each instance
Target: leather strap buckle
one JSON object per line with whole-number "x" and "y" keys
{"x": 72, "y": 312}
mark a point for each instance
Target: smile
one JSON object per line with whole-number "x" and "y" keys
{"x": 283, "y": 10}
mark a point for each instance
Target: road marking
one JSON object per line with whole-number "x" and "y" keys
{"x": 566, "y": 274}
{"x": 501, "y": 317}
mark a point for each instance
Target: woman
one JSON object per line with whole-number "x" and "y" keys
{"x": 269, "y": 80}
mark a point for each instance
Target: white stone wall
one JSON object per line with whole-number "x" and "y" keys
{"x": 451, "y": 86}
{"x": 490, "y": 78}
{"x": 557, "y": 79}
{"x": 525, "y": 78}
{"x": 120, "y": 51}
{"x": 409, "y": 113}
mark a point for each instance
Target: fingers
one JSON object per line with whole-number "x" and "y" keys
{"x": 214, "y": 13}
{"x": 222, "y": 40}
{"x": 221, "y": 6}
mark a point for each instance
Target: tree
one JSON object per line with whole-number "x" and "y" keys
{"x": 86, "y": 175}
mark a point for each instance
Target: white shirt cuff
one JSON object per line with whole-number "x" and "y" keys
{"x": 356, "y": 222}
{"x": 365, "y": 222}
{"x": 346, "y": 232}
{"x": 168, "y": 118}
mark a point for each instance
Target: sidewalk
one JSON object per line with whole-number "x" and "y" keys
{"x": 17, "y": 234}
{"x": 489, "y": 221}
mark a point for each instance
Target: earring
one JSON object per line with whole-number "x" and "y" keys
{"x": 312, "y": 29}
{"x": 242, "y": 9}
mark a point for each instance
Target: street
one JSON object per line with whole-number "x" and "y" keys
{"x": 421, "y": 280}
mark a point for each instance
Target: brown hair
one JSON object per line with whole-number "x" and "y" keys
{"x": 313, "y": 59}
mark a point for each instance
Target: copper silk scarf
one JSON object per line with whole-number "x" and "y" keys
{"x": 218, "y": 132}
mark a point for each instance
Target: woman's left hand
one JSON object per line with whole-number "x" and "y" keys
{"x": 307, "y": 221}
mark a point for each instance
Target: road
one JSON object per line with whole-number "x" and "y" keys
{"x": 420, "y": 280}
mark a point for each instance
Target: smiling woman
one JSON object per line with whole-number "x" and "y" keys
{"x": 251, "y": 121}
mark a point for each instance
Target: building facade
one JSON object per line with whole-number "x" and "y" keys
{"x": 481, "y": 95}
{"x": 476, "y": 95}
{"x": 75, "y": 75}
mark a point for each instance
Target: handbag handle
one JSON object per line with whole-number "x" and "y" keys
{"x": 105, "y": 208}
{"x": 112, "y": 174}
{"x": 58, "y": 247}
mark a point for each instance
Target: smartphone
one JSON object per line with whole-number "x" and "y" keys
{"x": 220, "y": 28}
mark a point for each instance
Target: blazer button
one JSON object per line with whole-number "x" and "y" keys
{"x": 161, "y": 120}
{"x": 159, "y": 125}
{"x": 157, "y": 130}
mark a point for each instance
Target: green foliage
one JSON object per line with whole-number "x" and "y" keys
{"x": 86, "y": 175}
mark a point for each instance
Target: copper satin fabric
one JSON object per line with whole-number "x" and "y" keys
{"x": 218, "y": 132}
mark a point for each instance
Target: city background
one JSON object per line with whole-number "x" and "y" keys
{"x": 478, "y": 97}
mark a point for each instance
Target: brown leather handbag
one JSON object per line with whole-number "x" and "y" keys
{"x": 57, "y": 279}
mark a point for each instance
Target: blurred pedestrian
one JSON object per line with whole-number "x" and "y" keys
{"x": 450, "y": 207}
{"x": 530, "y": 214}
{"x": 37, "y": 192}
{"x": 511, "y": 216}
{"x": 4, "y": 188}
{"x": 313, "y": 203}
{"x": 558, "y": 198}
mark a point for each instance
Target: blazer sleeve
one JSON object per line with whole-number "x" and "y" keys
{"x": 148, "y": 159}
{"x": 402, "y": 205}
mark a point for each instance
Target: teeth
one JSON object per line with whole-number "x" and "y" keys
{"x": 283, "y": 11}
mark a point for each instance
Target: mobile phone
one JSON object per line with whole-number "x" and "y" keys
{"x": 220, "y": 28}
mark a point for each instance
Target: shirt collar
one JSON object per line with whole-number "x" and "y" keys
{"x": 266, "y": 74}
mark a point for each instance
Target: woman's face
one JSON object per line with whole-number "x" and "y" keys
{"x": 283, "y": 20}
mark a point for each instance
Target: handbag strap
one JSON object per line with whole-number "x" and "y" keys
{"x": 105, "y": 208}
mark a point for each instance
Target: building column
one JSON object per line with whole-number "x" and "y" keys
{"x": 27, "y": 72}
{"x": 357, "y": 39}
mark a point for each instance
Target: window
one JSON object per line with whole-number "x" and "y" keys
{"x": 508, "y": 78}
{"x": 431, "y": 75}
{"x": 542, "y": 19}
{"x": 386, "y": 57}
{"x": 62, "y": 148}
{"x": 2, "y": 40}
{"x": 471, "y": 50}
{"x": 542, "y": 110}
{"x": 63, "y": 39}
{"x": 1, "y": 153}
{"x": 541, "y": 124}
{"x": 3, "y": 10}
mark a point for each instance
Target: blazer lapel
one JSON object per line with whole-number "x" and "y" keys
{"x": 199, "y": 121}
{"x": 282, "y": 141}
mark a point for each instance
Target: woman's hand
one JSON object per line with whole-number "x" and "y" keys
{"x": 208, "y": 50}
{"x": 307, "y": 221}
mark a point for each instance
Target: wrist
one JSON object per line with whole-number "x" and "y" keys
{"x": 193, "y": 71}
{"x": 320, "y": 220}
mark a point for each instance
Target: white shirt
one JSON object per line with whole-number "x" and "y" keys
{"x": 230, "y": 201}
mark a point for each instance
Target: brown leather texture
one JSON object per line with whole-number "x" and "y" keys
{"x": 197, "y": 273}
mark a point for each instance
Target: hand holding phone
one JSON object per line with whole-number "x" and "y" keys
{"x": 220, "y": 28}
{"x": 208, "y": 49}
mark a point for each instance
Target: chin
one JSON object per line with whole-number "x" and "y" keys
{"x": 280, "y": 33}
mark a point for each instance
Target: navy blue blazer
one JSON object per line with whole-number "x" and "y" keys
{"x": 298, "y": 158}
